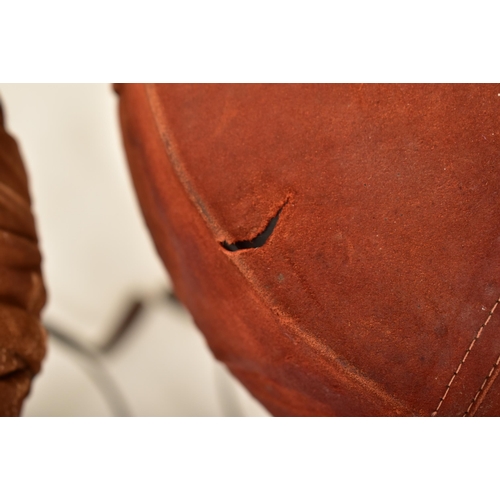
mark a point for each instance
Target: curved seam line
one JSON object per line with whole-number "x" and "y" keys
{"x": 173, "y": 156}
{"x": 176, "y": 165}
{"x": 467, "y": 352}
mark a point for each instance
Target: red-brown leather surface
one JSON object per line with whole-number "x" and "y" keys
{"x": 22, "y": 293}
{"x": 376, "y": 292}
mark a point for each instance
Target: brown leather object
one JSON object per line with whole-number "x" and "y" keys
{"x": 22, "y": 293}
{"x": 375, "y": 290}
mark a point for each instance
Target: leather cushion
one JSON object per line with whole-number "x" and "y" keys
{"x": 375, "y": 292}
{"x": 22, "y": 292}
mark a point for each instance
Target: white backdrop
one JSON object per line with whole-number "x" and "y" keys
{"x": 98, "y": 254}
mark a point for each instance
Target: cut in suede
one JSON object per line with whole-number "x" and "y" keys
{"x": 369, "y": 295}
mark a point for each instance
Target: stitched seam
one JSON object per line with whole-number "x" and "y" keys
{"x": 483, "y": 385}
{"x": 469, "y": 349}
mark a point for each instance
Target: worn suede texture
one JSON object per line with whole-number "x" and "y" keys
{"x": 376, "y": 291}
{"x": 22, "y": 292}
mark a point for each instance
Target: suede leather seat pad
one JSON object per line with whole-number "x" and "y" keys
{"x": 375, "y": 292}
{"x": 22, "y": 292}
